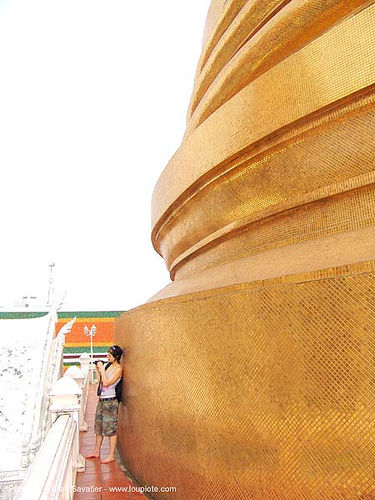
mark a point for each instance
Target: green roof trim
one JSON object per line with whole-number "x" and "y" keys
{"x": 89, "y": 314}
{"x": 95, "y": 349}
{"x": 61, "y": 315}
{"x": 22, "y": 315}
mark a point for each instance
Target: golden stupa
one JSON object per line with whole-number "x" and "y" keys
{"x": 252, "y": 375}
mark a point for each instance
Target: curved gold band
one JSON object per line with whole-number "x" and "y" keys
{"x": 308, "y": 221}
{"x": 288, "y": 27}
{"x": 294, "y": 171}
{"x": 316, "y": 76}
{"x": 248, "y": 21}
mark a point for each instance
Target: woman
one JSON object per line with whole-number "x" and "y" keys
{"x": 106, "y": 411}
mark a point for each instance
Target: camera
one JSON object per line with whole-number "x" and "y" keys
{"x": 98, "y": 361}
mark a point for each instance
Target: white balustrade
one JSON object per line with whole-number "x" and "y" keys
{"x": 52, "y": 474}
{"x": 82, "y": 380}
{"x": 51, "y": 368}
{"x": 84, "y": 361}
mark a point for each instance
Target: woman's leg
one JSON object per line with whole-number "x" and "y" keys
{"x": 112, "y": 447}
{"x": 98, "y": 444}
{"x": 110, "y": 428}
{"x": 98, "y": 429}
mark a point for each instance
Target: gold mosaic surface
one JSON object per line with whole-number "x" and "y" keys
{"x": 335, "y": 214}
{"x": 307, "y": 83}
{"x": 226, "y": 42}
{"x": 262, "y": 35}
{"x": 255, "y": 393}
{"x": 219, "y": 18}
{"x": 337, "y": 149}
{"x": 252, "y": 376}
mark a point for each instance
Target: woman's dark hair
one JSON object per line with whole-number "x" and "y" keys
{"x": 116, "y": 352}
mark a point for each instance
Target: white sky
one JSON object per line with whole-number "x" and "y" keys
{"x": 93, "y": 102}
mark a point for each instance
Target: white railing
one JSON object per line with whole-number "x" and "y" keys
{"x": 37, "y": 426}
{"x": 85, "y": 394}
{"x": 81, "y": 376}
{"x": 53, "y": 472}
{"x": 57, "y": 361}
{"x": 51, "y": 370}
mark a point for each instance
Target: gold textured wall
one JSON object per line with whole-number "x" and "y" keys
{"x": 252, "y": 375}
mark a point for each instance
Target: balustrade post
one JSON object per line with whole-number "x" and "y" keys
{"x": 84, "y": 361}
{"x": 81, "y": 378}
{"x": 65, "y": 400}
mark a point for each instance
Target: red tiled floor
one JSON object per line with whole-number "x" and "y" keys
{"x": 97, "y": 476}
{"x": 84, "y": 496}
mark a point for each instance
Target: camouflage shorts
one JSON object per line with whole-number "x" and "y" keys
{"x": 106, "y": 417}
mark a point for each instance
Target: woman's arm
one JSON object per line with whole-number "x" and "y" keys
{"x": 115, "y": 376}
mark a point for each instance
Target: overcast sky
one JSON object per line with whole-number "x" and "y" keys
{"x": 93, "y": 101}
